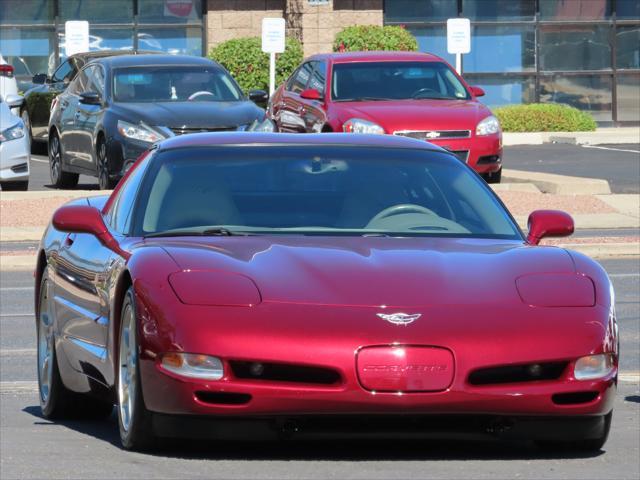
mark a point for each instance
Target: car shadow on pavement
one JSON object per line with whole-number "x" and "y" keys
{"x": 80, "y": 186}
{"x": 632, "y": 398}
{"x": 387, "y": 449}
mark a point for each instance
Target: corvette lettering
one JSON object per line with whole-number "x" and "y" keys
{"x": 404, "y": 368}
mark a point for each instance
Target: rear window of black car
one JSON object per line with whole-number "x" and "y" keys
{"x": 318, "y": 190}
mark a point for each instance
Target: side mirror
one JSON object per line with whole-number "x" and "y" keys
{"x": 90, "y": 98}
{"x": 40, "y": 79}
{"x": 258, "y": 96}
{"x": 548, "y": 223}
{"x": 477, "y": 91}
{"x": 86, "y": 219}
{"x": 13, "y": 100}
{"x": 311, "y": 94}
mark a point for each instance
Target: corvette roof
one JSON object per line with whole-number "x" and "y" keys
{"x": 282, "y": 139}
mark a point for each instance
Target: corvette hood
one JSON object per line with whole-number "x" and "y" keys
{"x": 400, "y": 272}
{"x": 418, "y": 114}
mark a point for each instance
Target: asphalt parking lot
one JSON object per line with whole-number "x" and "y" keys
{"x": 33, "y": 447}
{"x": 619, "y": 164}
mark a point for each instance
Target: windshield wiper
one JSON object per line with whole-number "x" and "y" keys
{"x": 209, "y": 232}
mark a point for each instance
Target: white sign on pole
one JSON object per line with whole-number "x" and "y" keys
{"x": 76, "y": 37}
{"x": 273, "y": 35}
{"x": 458, "y": 39}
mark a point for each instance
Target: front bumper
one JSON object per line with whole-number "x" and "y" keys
{"x": 14, "y": 160}
{"x": 483, "y": 154}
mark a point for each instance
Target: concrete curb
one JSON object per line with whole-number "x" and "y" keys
{"x": 600, "y": 136}
{"x": 593, "y": 221}
{"x": 558, "y": 184}
{"x": 33, "y": 195}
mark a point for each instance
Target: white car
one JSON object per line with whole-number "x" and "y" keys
{"x": 8, "y": 82}
{"x": 14, "y": 146}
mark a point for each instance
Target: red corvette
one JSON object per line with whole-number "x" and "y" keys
{"x": 286, "y": 285}
{"x": 412, "y": 95}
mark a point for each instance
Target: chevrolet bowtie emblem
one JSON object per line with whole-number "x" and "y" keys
{"x": 433, "y": 134}
{"x": 399, "y": 318}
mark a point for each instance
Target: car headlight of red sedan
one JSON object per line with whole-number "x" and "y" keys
{"x": 593, "y": 367}
{"x": 358, "y": 125}
{"x": 193, "y": 365}
{"x": 488, "y": 126}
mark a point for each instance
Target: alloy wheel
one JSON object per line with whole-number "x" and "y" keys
{"x": 128, "y": 363}
{"x": 54, "y": 159}
{"x": 45, "y": 345}
{"x": 103, "y": 167}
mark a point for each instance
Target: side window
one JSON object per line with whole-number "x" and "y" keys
{"x": 81, "y": 82}
{"x": 301, "y": 78}
{"x": 64, "y": 73}
{"x": 96, "y": 79}
{"x": 319, "y": 76}
{"x": 119, "y": 215}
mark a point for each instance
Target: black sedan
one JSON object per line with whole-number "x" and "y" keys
{"x": 38, "y": 99}
{"x": 119, "y": 106}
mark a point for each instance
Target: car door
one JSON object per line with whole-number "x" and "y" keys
{"x": 69, "y": 136}
{"x": 86, "y": 119}
{"x": 292, "y": 107}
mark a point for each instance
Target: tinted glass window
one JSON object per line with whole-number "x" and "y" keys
{"x": 96, "y": 79}
{"x": 574, "y": 47}
{"x": 318, "y": 77}
{"x": 174, "y": 84}
{"x": 505, "y": 91}
{"x": 574, "y": 9}
{"x": 34, "y": 46}
{"x": 628, "y": 99}
{"x": 628, "y": 47}
{"x": 414, "y": 11}
{"x": 163, "y": 11}
{"x": 512, "y": 49}
{"x": 591, "y": 93}
{"x": 300, "y": 79}
{"x": 64, "y": 73}
{"x": 433, "y": 40}
{"x": 319, "y": 191}
{"x": 98, "y": 11}
{"x": 81, "y": 83}
{"x": 101, "y": 38}
{"x": 176, "y": 40}
{"x": 26, "y": 11}
{"x": 499, "y": 9}
{"x": 627, "y": 9}
{"x": 396, "y": 81}
{"x": 119, "y": 213}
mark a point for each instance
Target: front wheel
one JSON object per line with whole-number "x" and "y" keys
{"x": 134, "y": 420}
{"x": 104, "y": 178}
{"x": 59, "y": 178}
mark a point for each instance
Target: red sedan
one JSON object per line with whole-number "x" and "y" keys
{"x": 406, "y": 94}
{"x": 270, "y": 285}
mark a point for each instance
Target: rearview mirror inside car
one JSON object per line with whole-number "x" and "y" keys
{"x": 311, "y": 94}
{"x": 258, "y": 96}
{"x": 90, "y": 98}
{"x": 477, "y": 91}
{"x": 548, "y": 223}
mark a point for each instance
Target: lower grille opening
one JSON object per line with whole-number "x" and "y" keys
{"x": 574, "y": 398}
{"x": 517, "y": 373}
{"x": 281, "y": 372}
{"x": 488, "y": 160}
{"x": 223, "y": 398}
{"x": 21, "y": 168}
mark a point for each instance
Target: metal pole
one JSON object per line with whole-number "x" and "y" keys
{"x": 459, "y": 63}
{"x": 272, "y": 73}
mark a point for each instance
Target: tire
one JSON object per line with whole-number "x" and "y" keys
{"x": 588, "y": 445}
{"x": 102, "y": 160}
{"x": 15, "y": 186}
{"x": 59, "y": 178}
{"x": 56, "y": 400}
{"x": 134, "y": 420}
{"x": 495, "y": 177}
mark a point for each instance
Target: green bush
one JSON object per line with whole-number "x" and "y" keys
{"x": 544, "y": 117}
{"x": 249, "y": 65}
{"x": 372, "y": 37}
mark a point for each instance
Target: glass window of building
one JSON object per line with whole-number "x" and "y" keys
{"x": 498, "y": 9}
{"x": 169, "y": 11}
{"x": 575, "y": 9}
{"x": 628, "y": 91}
{"x": 97, "y": 11}
{"x": 591, "y": 93}
{"x": 410, "y": 11}
{"x": 433, "y": 40}
{"x": 512, "y": 49}
{"x": 176, "y": 40}
{"x": 574, "y": 47}
{"x": 26, "y": 11}
{"x": 31, "y": 47}
{"x": 627, "y": 9}
{"x": 505, "y": 91}
{"x": 628, "y": 47}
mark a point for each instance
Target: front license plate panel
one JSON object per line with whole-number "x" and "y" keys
{"x": 405, "y": 368}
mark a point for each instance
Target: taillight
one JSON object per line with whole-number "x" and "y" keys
{"x": 6, "y": 70}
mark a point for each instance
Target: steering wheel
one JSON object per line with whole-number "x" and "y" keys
{"x": 199, "y": 93}
{"x": 400, "y": 209}
{"x": 422, "y": 90}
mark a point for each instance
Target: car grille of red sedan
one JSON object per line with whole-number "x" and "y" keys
{"x": 433, "y": 134}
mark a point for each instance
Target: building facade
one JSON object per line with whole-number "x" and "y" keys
{"x": 584, "y": 53}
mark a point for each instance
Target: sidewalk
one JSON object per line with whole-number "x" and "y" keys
{"x": 618, "y": 135}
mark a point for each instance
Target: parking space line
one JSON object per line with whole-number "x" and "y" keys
{"x": 18, "y": 387}
{"x": 17, "y": 352}
{"x": 15, "y": 289}
{"x": 2, "y": 315}
{"x": 624, "y": 275}
{"x": 612, "y": 149}
{"x": 39, "y": 161}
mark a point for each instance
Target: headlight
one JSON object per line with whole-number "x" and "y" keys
{"x": 12, "y": 133}
{"x": 138, "y": 132}
{"x": 593, "y": 366}
{"x": 265, "y": 125}
{"x": 193, "y": 365}
{"x": 357, "y": 125}
{"x": 488, "y": 126}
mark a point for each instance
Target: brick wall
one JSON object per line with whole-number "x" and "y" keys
{"x": 315, "y": 26}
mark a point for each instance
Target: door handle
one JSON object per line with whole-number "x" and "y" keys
{"x": 69, "y": 240}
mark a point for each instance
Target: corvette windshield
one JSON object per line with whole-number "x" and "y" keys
{"x": 178, "y": 83}
{"x": 395, "y": 81}
{"x": 316, "y": 190}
